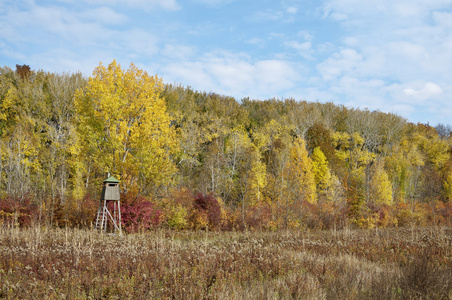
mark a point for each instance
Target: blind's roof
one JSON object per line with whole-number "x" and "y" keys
{"x": 111, "y": 179}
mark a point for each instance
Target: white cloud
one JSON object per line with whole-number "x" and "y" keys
{"x": 267, "y": 16}
{"x": 374, "y": 9}
{"x": 427, "y": 91}
{"x": 403, "y": 110}
{"x": 75, "y": 35}
{"x": 178, "y": 52}
{"x": 39, "y": 23}
{"x": 303, "y": 48}
{"x": 256, "y": 41}
{"x": 274, "y": 75}
{"x": 234, "y": 75}
{"x": 443, "y": 18}
{"x": 189, "y": 73}
{"x": 292, "y": 9}
{"x": 104, "y": 15}
{"x": 136, "y": 40}
{"x": 408, "y": 50}
{"x": 339, "y": 63}
{"x": 285, "y": 14}
{"x": 404, "y": 47}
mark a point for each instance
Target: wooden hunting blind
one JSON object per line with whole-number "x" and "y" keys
{"x": 109, "y": 207}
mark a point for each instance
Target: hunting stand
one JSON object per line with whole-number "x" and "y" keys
{"x": 109, "y": 198}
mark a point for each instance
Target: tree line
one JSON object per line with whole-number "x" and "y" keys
{"x": 191, "y": 159}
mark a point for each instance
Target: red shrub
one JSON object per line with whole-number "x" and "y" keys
{"x": 14, "y": 211}
{"x": 139, "y": 214}
{"x": 206, "y": 209}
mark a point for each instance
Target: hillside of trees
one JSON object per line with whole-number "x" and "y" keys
{"x": 191, "y": 159}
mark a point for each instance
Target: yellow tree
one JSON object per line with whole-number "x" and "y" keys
{"x": 350, "y": 148}
{"x": 380, "y": 187}
{"x": 300, "y": 179}
{"x": 448, "y": 187}
{"x": 258, "y": 176}
{"x": 436, "y": 150}
{"x": 322, "y": 174}
{"x": 273, "y": 141}
{"x": 404, "y": 168}
{"x": 124, "y": 127}
{"x": 246, "y": 169}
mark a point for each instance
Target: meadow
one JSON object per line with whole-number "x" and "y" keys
{"x": 397, "y": 263}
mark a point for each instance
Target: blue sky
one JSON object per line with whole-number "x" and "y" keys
{"x": 393, "y": 56}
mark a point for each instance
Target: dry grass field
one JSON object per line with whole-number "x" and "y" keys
{"x": 42, "y": 263}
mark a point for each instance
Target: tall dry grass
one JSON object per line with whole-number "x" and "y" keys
{"x": 44, "y": 263}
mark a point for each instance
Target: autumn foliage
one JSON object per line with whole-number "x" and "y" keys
{"x": 139, "y": 214}
{"x": 194, "y": 160}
